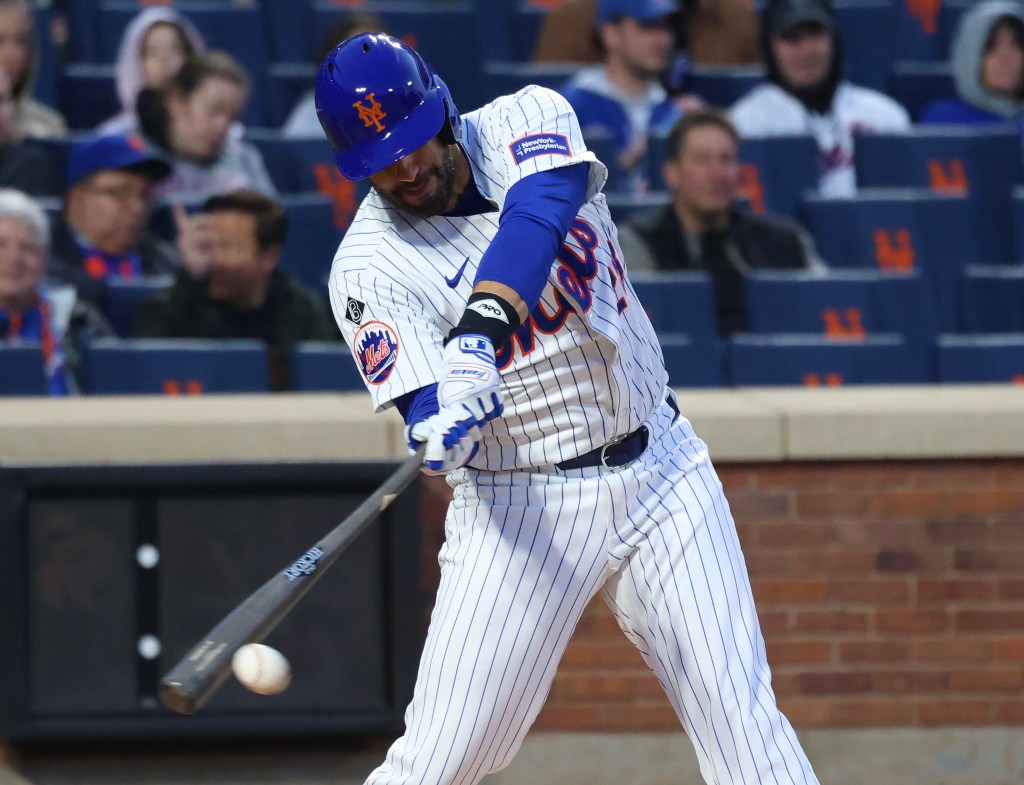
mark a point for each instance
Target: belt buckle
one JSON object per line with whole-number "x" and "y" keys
{"x": 604, "y": 449}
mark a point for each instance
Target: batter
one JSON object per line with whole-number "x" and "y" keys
{"x": 483, "y": 292}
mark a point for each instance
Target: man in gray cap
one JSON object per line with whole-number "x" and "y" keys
{"x": 805, "y": 91}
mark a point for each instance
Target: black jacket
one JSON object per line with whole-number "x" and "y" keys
{"x": 67, "y": 264}
{"x": 290, "y": 314}
{"x": 749, "y": 243}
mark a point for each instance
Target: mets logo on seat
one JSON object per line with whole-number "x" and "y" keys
{"x": 370, "y": 113}
{"x": 376, "y": 349}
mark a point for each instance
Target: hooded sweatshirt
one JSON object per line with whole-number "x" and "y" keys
{"x": 35, "y": 120}
{"x": 128, "y": 73}
{"x": 831, "y": 112}
{"x": 975, "y": 104}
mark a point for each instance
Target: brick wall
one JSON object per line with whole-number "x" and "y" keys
{"x": 890, "y": 594}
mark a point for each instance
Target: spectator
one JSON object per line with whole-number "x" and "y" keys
{"x": 987, "y": 58}
{"x": 19, "y": 58}
{"x": 703, "y": 228}
{"x": 22, "y": 164}
{"x": 806, "y": 93}
{"x": 154, "y": 47}
{"x": 623, "y": 99}
{"x": 31, "y": 311}
{"x": 190, "y": 120}
{"x": 103, "y": 231}
{"x": 232, "y": 287}
{"x": 715, "y": 32}
{"x": 303, "y": 122}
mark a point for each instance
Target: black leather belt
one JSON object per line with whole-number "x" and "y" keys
{"x": 617, "y": 452}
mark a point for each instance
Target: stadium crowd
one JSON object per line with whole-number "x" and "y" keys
{"x": 163, "y": 177}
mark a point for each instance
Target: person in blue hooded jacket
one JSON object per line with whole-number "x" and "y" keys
{"x": 987, "y": 59}
{"x": 624, "y": 98}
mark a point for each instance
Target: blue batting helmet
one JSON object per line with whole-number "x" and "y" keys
{"x": 378, "y": 101}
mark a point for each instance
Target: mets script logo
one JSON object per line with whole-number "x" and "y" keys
{"x": 376, "y": 350}
{"x": 371, "y": 114}
{"x": 305, "y": 565}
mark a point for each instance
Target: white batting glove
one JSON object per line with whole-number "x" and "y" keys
{"x": 470, "y": 379}
{"x": 451, "y": 436}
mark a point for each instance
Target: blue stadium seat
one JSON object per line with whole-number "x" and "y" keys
{"x": 288, "y": 32}
{"x": 923, "y": 31}
{"x": 777, "y": 171}
{"x": 981, "y": 162}
{"x": 841, "y": 304}
{"x": 981, "y": 358}
{"x": 21, "y": 369}
{"x": 722, "y": 86}
{"x": 868, "y": 31}
{"x": 120, "y": 297}
{"x": 605, "y": 149}
{"x": 504, "y": 77}
{"x": 444, "y": 33}
{"x": 321, "y": 366}
{"x": 291, "y": 163}
{"x": 1018, "y": 223}
{"x": 693, "y": 363}
{"x": 916, "y": 83}
{"x": 897, "y": 230}
{"x": 509, "y": 27}
{"x": 173, "y": 367}
{"x": 45, "y": 88}
{"x": 678, "y": 301}
{"x": 237, "y": 29}
{"x": 815, "y": 360}
{"x": 312, "y": 239}
{"x": 993, "y": 299}
{"x": 87, "y": 95}
{"x": 286, "y": 84}
{"x": 623, "y": 207}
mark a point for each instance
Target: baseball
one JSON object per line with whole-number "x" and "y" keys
{"x": 261, "y": 669}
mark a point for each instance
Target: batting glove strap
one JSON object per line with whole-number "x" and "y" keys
{"x": 470, "y": 384}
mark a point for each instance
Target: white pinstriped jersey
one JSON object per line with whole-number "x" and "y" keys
{"x": 584, "y": 368}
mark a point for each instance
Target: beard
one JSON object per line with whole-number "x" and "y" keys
{"x": 439, "y": 185}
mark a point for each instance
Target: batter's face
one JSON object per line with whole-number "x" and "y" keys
{"x": 803, "y": 54}
{"x": 705, "y": 176}
{"x": 427, "y": 182}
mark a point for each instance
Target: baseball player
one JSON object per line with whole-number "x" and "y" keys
{"x": 483, "y": 292}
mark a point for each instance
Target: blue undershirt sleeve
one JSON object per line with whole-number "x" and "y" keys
{"x": 538, "y": 212}
{"x": 418, "y": 404}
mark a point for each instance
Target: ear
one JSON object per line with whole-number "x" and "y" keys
{"x": 670, "y": 173}
{"x": 269, "y": 258}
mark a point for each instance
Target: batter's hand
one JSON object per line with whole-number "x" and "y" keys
{"x": 451, "y": 436}
{"x": 470, "y": 380}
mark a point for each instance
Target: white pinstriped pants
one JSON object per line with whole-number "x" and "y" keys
{"x": 523, "y": 556}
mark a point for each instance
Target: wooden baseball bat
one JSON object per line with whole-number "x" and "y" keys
{"x": 190, "y": 683}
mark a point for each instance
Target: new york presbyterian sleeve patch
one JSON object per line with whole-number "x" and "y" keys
{"x": 376, "y": 350}
{"x": 539, "y": 144}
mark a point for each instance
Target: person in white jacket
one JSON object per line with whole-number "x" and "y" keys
{"x": 806, "y": 93}
{"x": 156, "y": 43}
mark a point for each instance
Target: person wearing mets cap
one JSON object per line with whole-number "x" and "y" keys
{"x": 484, "y": 294}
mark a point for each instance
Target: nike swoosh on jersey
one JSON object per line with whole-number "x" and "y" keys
{"x": 454, "y": 280}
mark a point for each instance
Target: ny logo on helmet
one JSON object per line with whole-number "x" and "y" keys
{"x": 372, "y": 114}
